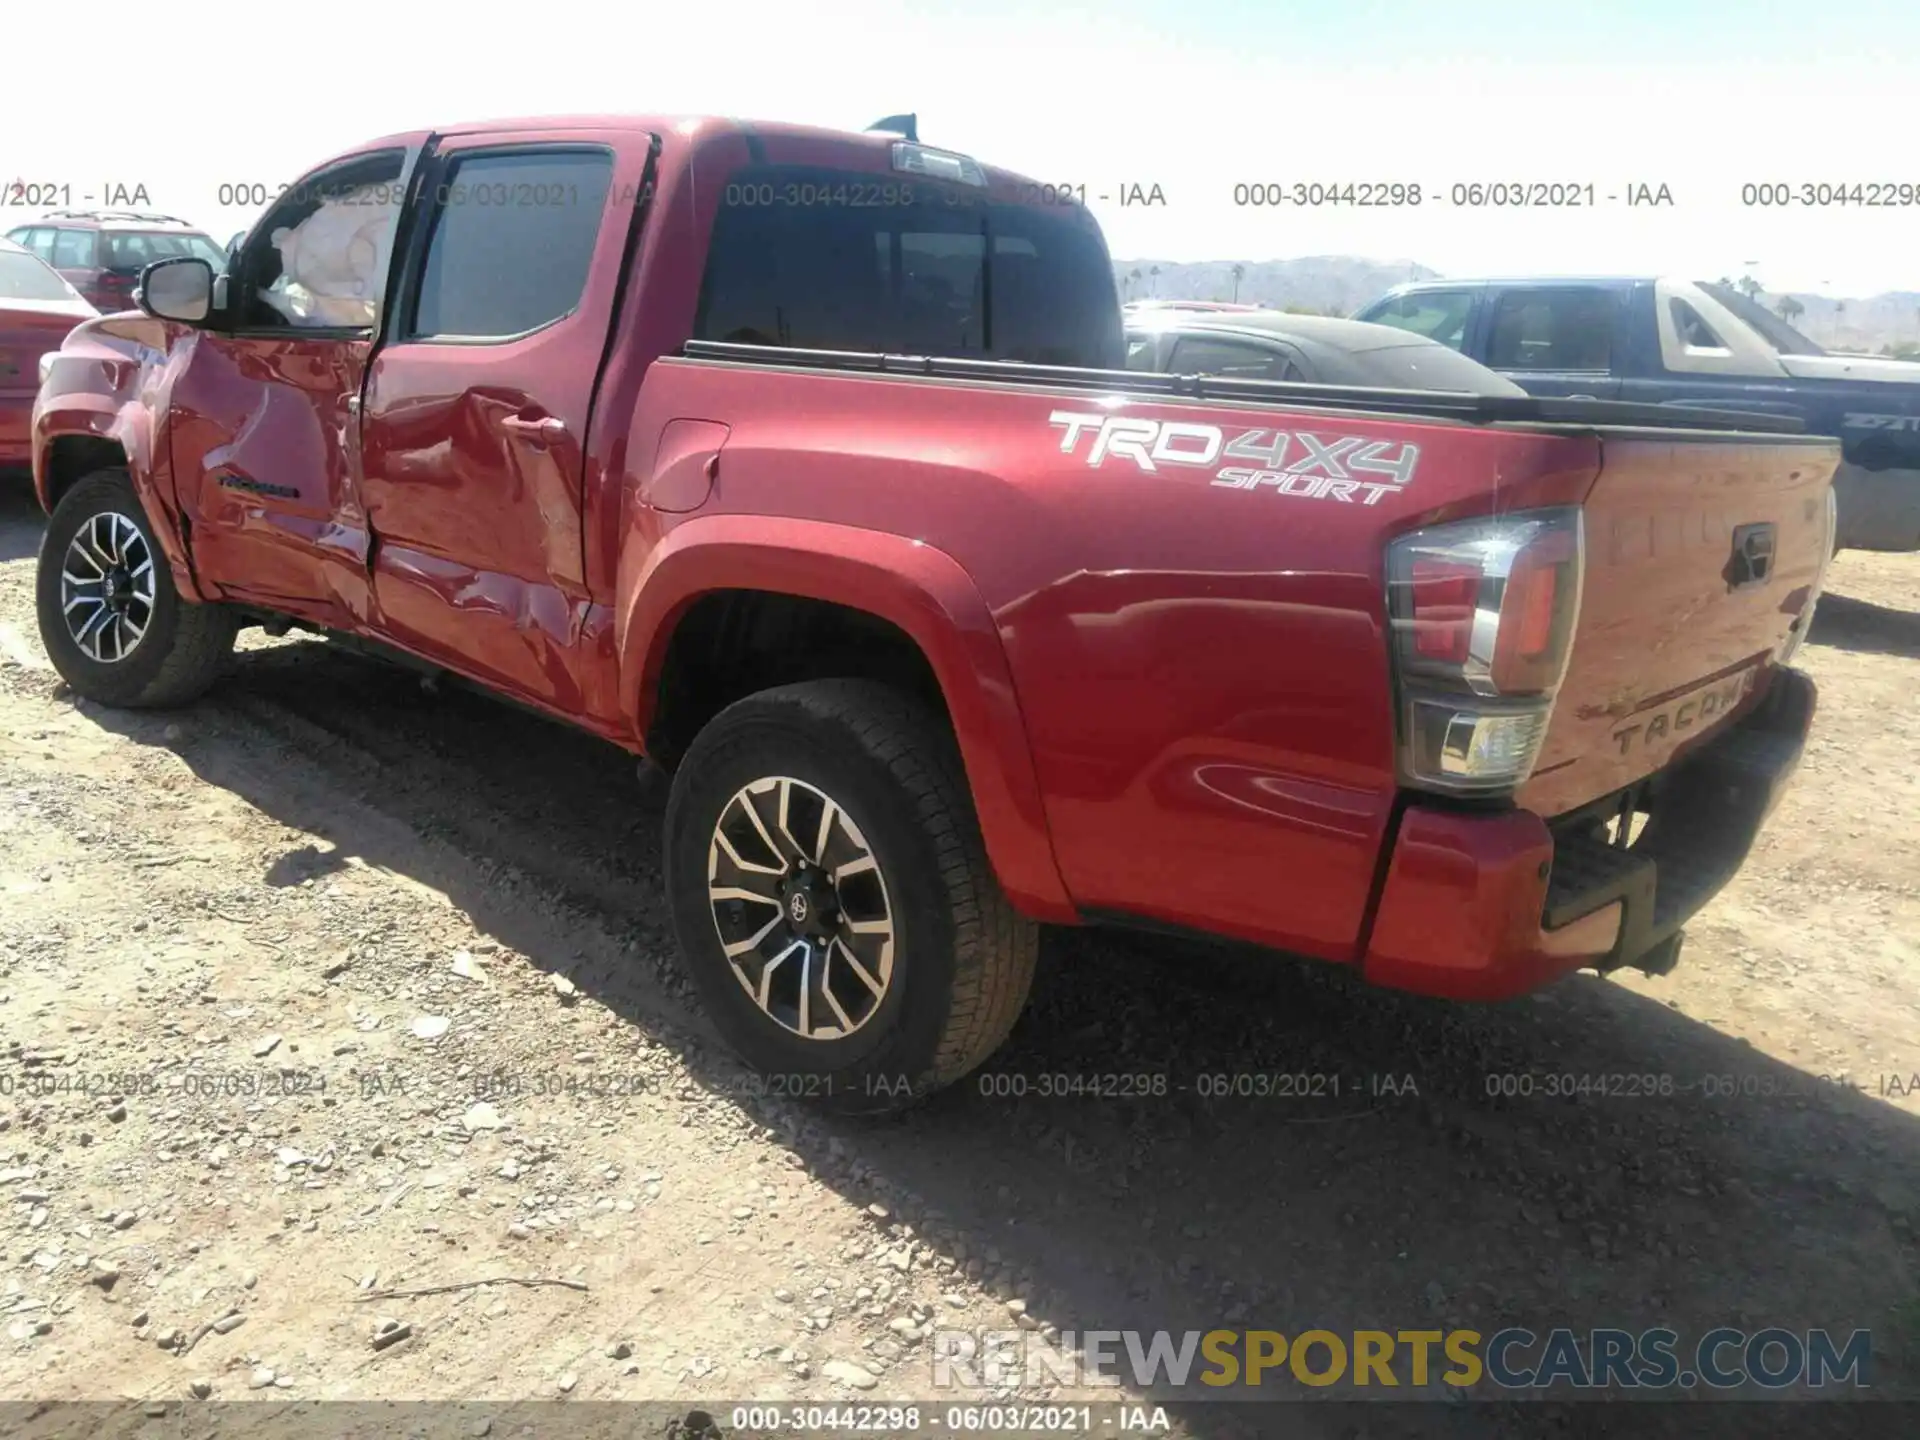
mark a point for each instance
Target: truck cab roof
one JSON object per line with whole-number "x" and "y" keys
{"x": 695, "y": 131}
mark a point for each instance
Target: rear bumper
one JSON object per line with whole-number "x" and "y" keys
{"x": 1487, "y": 906}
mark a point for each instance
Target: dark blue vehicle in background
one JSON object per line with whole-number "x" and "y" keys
{"x": 1677, "y": 342}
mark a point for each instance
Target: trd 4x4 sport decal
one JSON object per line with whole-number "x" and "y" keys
{"x": 1292, "y": 462}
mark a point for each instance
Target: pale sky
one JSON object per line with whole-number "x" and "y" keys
{"x": 1192, "y": 95}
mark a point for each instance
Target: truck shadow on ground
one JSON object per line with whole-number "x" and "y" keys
{"x": 1312, "y": 1154}
{"x": 1860, "y": 625}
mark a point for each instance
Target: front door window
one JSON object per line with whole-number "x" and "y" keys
{"x": 319, "y": 259}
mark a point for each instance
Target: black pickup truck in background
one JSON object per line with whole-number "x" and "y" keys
{"x": 1682, "y": 343}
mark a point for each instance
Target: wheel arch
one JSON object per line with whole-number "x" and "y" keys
{"x": 891, "y": 587}
{"x": 75, "y": 440}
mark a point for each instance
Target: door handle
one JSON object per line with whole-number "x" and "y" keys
{"x": 551, "y": 426}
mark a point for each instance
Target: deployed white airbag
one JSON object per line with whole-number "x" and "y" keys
{"x": 333, "y": 264}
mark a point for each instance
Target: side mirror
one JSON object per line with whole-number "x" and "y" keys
{"x": 177, "y": 289}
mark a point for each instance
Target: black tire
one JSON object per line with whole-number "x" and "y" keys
{"x": 963, "y": 957}
{"x": 183, "y": 646}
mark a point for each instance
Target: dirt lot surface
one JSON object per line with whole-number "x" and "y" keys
{"x": 330, "y": 986}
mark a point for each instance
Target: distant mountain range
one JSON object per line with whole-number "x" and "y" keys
{"x": 1341, "y": 284}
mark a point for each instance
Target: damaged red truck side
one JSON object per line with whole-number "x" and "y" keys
{"x": 804, "y": 464}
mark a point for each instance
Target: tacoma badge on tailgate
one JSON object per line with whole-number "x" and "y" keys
{"x": 1699, "y": 708}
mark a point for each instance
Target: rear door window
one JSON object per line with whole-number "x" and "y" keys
{"x": 130, "y": 250}
{"x": 75, "y": 249}
{"x": 1557, "y": 329}
{"x": 511, "y": 243}
{"x": 843, "y": 260}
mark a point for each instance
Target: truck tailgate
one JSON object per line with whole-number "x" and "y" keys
{"x": 1679, "y": 619}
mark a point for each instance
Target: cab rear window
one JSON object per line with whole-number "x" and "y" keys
{"x": 839, "y": 260}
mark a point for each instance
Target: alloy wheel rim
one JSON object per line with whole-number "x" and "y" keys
{"x": 801, "y": 908}
{"x": 107, "y": 587}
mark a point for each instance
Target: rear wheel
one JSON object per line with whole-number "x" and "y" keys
{"x": 833, "y": 899}
{"x": 110, "y": 618}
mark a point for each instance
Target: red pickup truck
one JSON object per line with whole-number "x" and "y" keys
{"x": 805, "y": 465}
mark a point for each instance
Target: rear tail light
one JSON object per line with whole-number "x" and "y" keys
{"x": 1445, "y": 593}
{"x": 1482, "y": 614}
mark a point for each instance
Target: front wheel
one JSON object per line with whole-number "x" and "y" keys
{"x": 833, "y": 900}
{"x": 110, "y": 618}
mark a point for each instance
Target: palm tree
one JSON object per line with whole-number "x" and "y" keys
{"x": 1748, "y": 286}
{"x": 1788, "y": 308}
{"x": 1239, "y": 273}
{"x": 1133, "y": 277}
{"x": 1154, "y": 288}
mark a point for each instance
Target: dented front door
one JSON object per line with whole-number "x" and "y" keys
{"x": 262, "y": 410}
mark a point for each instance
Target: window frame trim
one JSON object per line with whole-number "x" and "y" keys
{"x": 437, "y": 170}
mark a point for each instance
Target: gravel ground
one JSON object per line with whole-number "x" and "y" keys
{"x": 331, "y": 987}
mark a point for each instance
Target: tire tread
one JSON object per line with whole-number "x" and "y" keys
{"x": 996, "y": 947}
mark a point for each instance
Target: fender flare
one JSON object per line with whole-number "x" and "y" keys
{"x": 91, "y": 416}
{"x": 925, "y": 593}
